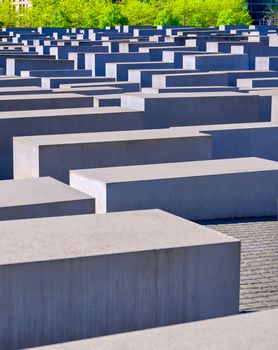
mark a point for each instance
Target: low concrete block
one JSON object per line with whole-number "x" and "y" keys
{"x": 74, "y": 277}
{"x": 183, "y": 109}
{"x": 228, "y": 188}
{"x": 55, "y": 82}
{"x": 256, "y": 330}
{"x": 107, "y": 100}
{"x": 43, "y": 101}
{"x": 41, "y": 197}
{"x": 217, "y": 62}
{"x": 243, "y": 140}
{"x": 60, "y": 121}
{"x": 57, "y": 154}
{"x": 16, "y": 65}
{"x": 119, "y": 71}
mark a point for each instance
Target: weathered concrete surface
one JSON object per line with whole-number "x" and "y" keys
{"x": 56, "y": 155}
{"x": 68, "y": 278}
{"x": 254, "y": 331}
{"x": 60, "y": 121}
{"x": 202, "y": 108}
{"x": 42, "y": 197}
{"x": 207, "y": 189}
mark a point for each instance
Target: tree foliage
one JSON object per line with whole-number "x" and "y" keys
{"x": 101, "y": 13}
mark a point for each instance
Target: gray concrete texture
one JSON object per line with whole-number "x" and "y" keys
{"x": 160, "y": 270}
{"x": 55, "y": 121}
{"x": 253, "y": 331}
{"x": 208, "y": 189}
{"x": 41, "y": 197}
{"x": 56, "y": 155}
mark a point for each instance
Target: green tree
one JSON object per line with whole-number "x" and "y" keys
{"x": 8, "y": 15}
{"x": 112, "y": 16}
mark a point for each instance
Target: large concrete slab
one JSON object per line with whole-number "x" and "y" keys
{"x": 209, "y": 189}
{"x": 41, "y": 197}
{"x": 57, "y": 154}
{"x": 207, "y": 79}
{"x": 256, "y": 331}
{"x": 74, "y": 277}
{"x": 60, "y": 121}
{"x": 183, "y": 109}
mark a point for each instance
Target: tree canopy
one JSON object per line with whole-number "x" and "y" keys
{"x": 101, "y": 13}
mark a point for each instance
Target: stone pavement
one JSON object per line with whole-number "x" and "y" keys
{"x": 259, "y": 260}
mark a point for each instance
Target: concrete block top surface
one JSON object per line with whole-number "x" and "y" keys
{"x": 184, "y": 94}
{"x": 36, "y": 190}
{"x": 97, "y": 137}
{"x": 67, "y": 237}
{"x": 178, "y": 170}
{"x": 252, "y": 331}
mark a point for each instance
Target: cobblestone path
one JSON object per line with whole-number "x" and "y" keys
{"x": 259, "y": 260}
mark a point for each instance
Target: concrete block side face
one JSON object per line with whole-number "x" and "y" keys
{"x": 95, "y": 189}
{"x": 135, "y": 102}
{"x": 25, "y": 159}
{"x": 257, "y": 142}
{"x": 201, "y": 80}
{"x": 10, "y": 66}
{"x": 262, "y": 63}
{"x": 71, "y": 299}
{"x": 189, "y": 62}
{"x": 274, "y": 108}
{"x": 201, "y": 111}
{"x": 57, "y": 161}
{"x": 72, "y": 207}
{"x": 200, "y": 198}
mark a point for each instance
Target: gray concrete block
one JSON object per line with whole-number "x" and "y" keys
{"x": 119, "y": 71}
{"x": 200, "y": 190}
{"x": 207, "y": 79}
{"x": 41, "y": 197}
{"x": 257, "y": 83}
{"x": 68, "y": 278}
{"x": 107, "y": 100}
{"x": 60, "y": 121}
{"x": 256, "y": 330}
{"x": 18, "y": 81}
{"x": 194, "y": 108}
{"x": 56, "y": 73}
{"x": 243, "y": 140}
{"x": 216, "y": 62}
{"x": 57, "y": 154}
{"x": 43, "y": 101}
{"x": 56, "y": 82}
{"x": 144, "y": 76}
{"x": 16, "y": 65}
{"x": 97, "y": 61}
{"x": 125, "y": 86}
{"x": 23, "y": 90}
